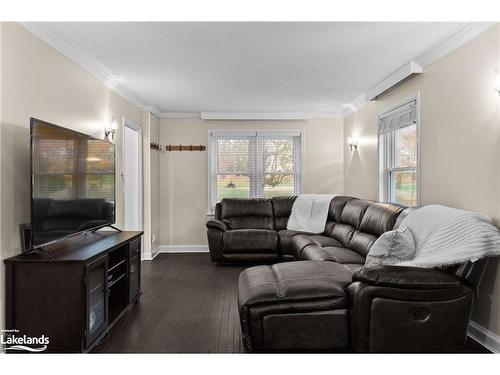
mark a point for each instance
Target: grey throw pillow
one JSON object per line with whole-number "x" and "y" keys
{"x": 392, "y": 247}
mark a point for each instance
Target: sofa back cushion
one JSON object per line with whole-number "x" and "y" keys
{"x": 380, "y": 218}
{"x": 347, "y": 227}
{"x": 355, "y": 223}
{"x": 336, "y": 207}
{"x": 282, "y": 209}
{"x": 353, "y": 212}
{"x": 360, "y": 222}
{"x": 247, "y": 213}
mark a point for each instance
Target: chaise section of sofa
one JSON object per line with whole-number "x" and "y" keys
{"x": 294, "y": 306}
{"x": 323, "y": 306}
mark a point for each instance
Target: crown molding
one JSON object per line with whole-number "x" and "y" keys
{"x": 353, "y": 106}
{"x": 454, "y": 41}
{"x": 53, "y": 38}
{"x": 153, "y": 109}
{"x": 418, "y": 64}
{"x": 327, "y": 115}
{"x": 254, "y": 116}
{"x": 180, "y": 115}
{"x": 267, "y": 115}
{"x": 249, "y": 116}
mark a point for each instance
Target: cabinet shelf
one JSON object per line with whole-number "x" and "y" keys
{"x": 116, "y": 280}
{"x": 117, "y": 265}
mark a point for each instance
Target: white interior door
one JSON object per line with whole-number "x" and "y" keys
{"x": 132, "y": 175}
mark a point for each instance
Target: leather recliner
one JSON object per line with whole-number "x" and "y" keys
{"x": 326, "y": 300}
{"x": 244, "y": 230}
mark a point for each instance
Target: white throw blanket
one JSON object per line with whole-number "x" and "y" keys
{"x": 309, "y": 213}
{"x": 434, "y": 236}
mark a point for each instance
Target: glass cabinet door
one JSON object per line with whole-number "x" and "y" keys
{"x": 96, "y": 304}
{"x": 134, "y": 280}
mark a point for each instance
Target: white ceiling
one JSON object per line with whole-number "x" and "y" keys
{"x": 244, "y": 67}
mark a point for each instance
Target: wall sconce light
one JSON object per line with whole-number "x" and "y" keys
{"x": 496, "y": 85}
{"x": 111, "y": 130}
{"x": 353, "y": 143}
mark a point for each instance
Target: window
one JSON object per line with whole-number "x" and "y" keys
{"x": 254, "y": 164}
{"x": 398, "y": 147}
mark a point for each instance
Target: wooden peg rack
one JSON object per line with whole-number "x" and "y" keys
{"x": 185, "y": 148}
{"x": 155, "y": 146}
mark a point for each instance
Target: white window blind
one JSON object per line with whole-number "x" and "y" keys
{"x": 398, "y": 159}
{"x": 254, "y": 164}
{"x": 403, "y": 116}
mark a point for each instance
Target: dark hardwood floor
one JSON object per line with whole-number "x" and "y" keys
{"x": 188, "y": 306}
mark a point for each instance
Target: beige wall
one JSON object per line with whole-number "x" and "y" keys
{"x": 38, "y": 81}
{"x": 459, "y": 141}
{"x": 360, "y": 177}
{"x": 184, "y": 175}
{"x": 151, "y": 184}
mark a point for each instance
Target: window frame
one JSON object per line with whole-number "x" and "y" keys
{"x": 253, "y": 135}
{"x": 386, "y": 144}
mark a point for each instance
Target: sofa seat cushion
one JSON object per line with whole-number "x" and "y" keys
{"x": 299, "y": 243}
{"x": 325, "y": 241}
{"x": 244, "y": 241}
{"x": 293, "y": 281}
{"x": 285, "y": 240}
{"x": 333, "y": 254}
{"x": 302, "y": 241}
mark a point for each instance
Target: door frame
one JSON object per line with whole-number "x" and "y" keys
{"x": 136, "y": 127}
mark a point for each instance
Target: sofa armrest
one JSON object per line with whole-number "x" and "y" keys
{"x": 217, "y": 224}
{"x": 405, "y": 277}
{"x": 215, "y": 234}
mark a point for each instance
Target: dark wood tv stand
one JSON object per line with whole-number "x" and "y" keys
{"x": 75, "y": 290}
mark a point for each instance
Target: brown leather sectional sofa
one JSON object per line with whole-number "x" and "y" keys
{"x": 317, "y": 296}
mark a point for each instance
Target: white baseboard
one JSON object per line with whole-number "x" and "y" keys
{"x": 484, "y": 337}
{"x": 183, "y": 248}
{"x": 152, "y": 255}
{"x": 155, "y": 251}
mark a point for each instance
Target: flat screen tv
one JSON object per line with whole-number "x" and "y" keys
{"x": 72, "y": 183}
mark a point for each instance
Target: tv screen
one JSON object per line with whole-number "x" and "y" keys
{"x": 72, "y": 183}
